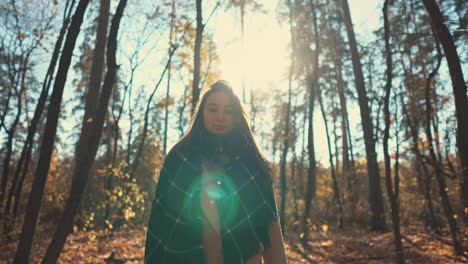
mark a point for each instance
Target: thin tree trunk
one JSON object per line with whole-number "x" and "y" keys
{"x": 303, "y": 154}
{"x": 88, "y": 144}
{"x": 169, "y": 68}
{"x": 459, "y": 92}
{"x": 397, "y": 152}
{"x": 446, "y": 206}
{"x": 375, "y": 192}
{"x": 196, "y": 58}
{"x": 312, "y": 81}
{"x": 392, "y": 195}
{"x": 294, "y": 162}
{"x": 336, "y": 190}
{"x": 21, "y": 170}
{"x": 97, "y": 65}
{"x": 11, "y": 131}
{"x": 284, "y": 155}
{"x": 37, "y": 191}
{"x": 335, "y": 135}
{"x": 311, "y": 173}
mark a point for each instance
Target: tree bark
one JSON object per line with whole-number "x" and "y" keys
{"x": 375, "y": 192}
{"x": 459, "y": 92}
{"x": 312, "y": 79}
{"x": 24, "y": 246}
{"x": 19, "y": 175}
{"x": 197, "y": 56}
{"x": 169, "y": 68}
{"x": 97, "y": 66}
{"x": 87, "y": 144}
{"x": 294, "y": 162}
{"x": 446, "y": 205}
{"x": 284, "y": 155}
{"x": 336, "y": 189}
{"x": 392, "y": 194}
{"x": 21, "y": 73}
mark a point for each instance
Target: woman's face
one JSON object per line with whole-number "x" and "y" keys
{"x": 218, "y": 113}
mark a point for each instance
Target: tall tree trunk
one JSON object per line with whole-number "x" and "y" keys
{"x": 335, "y": 134}
{"x": 446, "y": 206}
{"x": 392, "y": 194}
{"x": 87, "y": 144}
{"x": 284, "y": 155}
{"x": 303, "y": 154}
{"x": 11, "y": 132}
{"x": 21, "y": 170}
{"x": 285, "y": 149}
{"x": 197, "y": 53}
{"x": 97, "y": 66}
{"x": 169, "y": 68}
{"x": 375, "y": 192}
{"x": 242, "y": 20}
{"x": 311, "y": 172}
{"x": 344, "y": 117}
{"x": 459, "y": 92}
{"x": 37, "y": 191}
{"x": 336, "y": 190}
{"x": 312, "y": 79}
{"x": 294, "y": 162}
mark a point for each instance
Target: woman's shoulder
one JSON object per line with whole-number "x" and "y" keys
{"x": 180, "y": 153}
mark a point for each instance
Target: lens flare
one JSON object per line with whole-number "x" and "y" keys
{"x": 219, "y": 187}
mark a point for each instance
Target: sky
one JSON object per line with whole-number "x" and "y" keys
{"x": 262, "y": 61}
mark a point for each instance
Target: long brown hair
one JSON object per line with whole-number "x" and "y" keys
{"x": 241, "y": 126}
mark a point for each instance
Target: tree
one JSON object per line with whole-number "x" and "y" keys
{"x": 22, "y": 165}
{"x": 196, "y": 56}
{"x": 446, "y": 205}
{"x": 88, "y": 142}
{"x": 29, "y": 226}
{"x": 375, "y": 192}
{"x": 391, "y": 192}
{"x": 459, "y": 92}
{"x": 312, "y": 80}
{"x": 336, "y": 189}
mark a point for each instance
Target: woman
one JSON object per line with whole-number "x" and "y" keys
{"x": 214, "y": 199}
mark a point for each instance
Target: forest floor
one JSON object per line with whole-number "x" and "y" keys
{"x": 326, "y": 246}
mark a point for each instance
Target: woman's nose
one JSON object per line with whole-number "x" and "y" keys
{"x": 220, "y": 116}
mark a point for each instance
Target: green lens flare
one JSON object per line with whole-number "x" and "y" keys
{"x": 221, "y": 189}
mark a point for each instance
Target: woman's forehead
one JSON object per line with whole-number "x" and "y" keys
{"x": 219, "y": 98}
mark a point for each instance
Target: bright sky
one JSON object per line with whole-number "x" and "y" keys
{"x": 264, "y": 59}
{"x": 262, "y": 62}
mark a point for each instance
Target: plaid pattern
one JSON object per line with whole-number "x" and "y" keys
{"x": 242, "y": 193}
